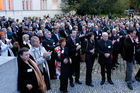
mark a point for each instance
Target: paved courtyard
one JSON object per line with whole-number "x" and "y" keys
{"x": 118, "y": 77}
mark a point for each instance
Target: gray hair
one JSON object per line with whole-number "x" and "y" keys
{"x": 33, "y": 38}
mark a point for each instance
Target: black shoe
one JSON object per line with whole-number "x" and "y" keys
{"x": 137, "y": 79}
{"x": 110, "y": 82}
{"x": 102, "y": 82}
{"x": 78, "y": 82}
{"x": 71, "y": 84}
{"x": 113, "y": 68}
{"x": 91, "y": 85}
{"x": 130, "y": 86}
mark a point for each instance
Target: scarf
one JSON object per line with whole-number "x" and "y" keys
{"x": 40, "y": 79}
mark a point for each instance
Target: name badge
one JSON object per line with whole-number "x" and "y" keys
{"x": 62, "y": 52}
{"x": 29, "y": 70}
{"x": 77, "y": 44}
{"x": 109, "y": 46}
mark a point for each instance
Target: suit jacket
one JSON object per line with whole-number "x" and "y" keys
{"x": 72, "y": 47}
{"x": 48, "y": 44}
{"x": 129, "y": 49}
{"x": 55, "y": 38}
{"x": 97, "y": 35}
{"x": 104, "y": 47}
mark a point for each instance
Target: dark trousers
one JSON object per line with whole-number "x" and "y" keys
{"x": 89, "y": 65}
{"x": 65, "y": 69}
{"x": 52, "y": 67}
{"x": 47, "y": 79}
{"x": 108, "y": 67}
{"x": 138, "y": 74}
{"x": 75, "y": 68}
{"x": 115, "y": 59}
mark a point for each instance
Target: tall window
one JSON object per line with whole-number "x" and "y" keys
{"x": 27, "y": 4}
{"x": 10, "y": 4}
{"x": 43, "y": 4}
{"x": 1, "y": 4}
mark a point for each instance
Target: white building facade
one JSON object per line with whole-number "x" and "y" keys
{"x": 29, "y": 8}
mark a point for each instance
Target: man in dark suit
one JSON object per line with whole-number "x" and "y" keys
{"x": 97, "y": 33}
{"x": 115, "y": 41}
{"x": 49, "y": 45}
{"x": 73, "y": 44}
{"x": 105, "y": 49}
{"x": 55, "y": 35}
{"x": 129, "y": 46}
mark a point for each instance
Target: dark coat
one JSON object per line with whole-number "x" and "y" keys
{"x": 26, "y": 76}
{"x": 48, "y": 44}
{"x": 72, "y": 47}
{"x": 128, "y": 49}
{"x": 102, "y": 48}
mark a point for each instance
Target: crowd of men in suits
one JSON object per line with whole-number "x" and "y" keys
{"x": 91, "y": 36}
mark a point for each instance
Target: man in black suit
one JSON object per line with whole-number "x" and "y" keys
{"x": 73, "y": 44}
{"x": 49, "y": 45}
{"x": 97, "y": 33}
{"x": 115, "y": 41}
{"x": 55, "y": 35}
{"x": 105, "y": 49}
{"x": 130, "y": 47}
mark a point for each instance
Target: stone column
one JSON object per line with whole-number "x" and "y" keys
{"x": 49, "y": 4}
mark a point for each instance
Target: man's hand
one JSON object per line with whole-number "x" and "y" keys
{"x": 65, "y": 61}
{"x": 29, "y": 86}
{"x": 107, "y": 55}
{"x": 78, "y": 47}
{"x": 70, "y": 61}
{"x": 92, "y": 51}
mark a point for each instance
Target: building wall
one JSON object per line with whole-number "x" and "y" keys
{"x": 20, "y": 10}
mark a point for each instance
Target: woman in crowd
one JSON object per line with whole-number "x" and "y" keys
{"x": 90, "y": 57}
{"x": 63, "y": 57}
{"x": 5, "y": 46}
{"x": 25, "y": 41}
{"x": 30, "y": 79}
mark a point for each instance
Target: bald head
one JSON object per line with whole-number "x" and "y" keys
{"x": 105, "y": 36}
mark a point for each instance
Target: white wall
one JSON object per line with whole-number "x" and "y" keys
{"x": 21, "y": 14}
{"x": 35, "y": 4}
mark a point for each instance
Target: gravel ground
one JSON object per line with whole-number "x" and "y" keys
{"x": 118, "y": 87}
{"x": 118, "y": 77}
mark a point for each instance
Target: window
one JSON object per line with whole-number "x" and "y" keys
{"x": 1, "y": 4}
{"x": 27, "y": 4}
{"x": 43, "y": 4}
{"x": 10, "y": 4}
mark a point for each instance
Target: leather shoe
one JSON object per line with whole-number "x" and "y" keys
{"x": 130, "y": 86}
{"x": 91, "y": 85}
{"x": 71, "y": 84}
{"x": 78, "y": 82}
{"x": 110, "y": 82}
{"x": 102, "y": 82}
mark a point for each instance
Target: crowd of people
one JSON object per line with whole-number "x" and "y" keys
{"x": 50, "y": 48}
